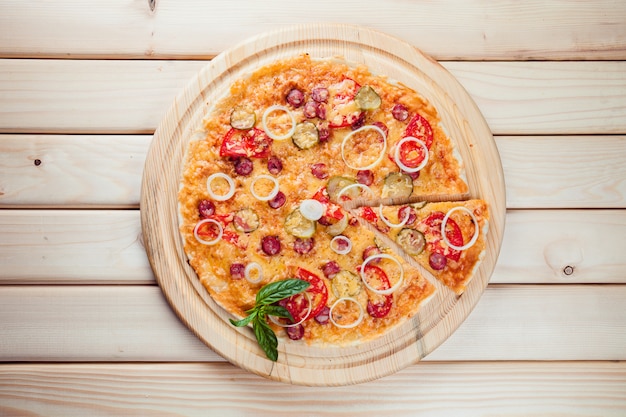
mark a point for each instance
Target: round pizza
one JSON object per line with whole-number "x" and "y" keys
{"x": 322, "y": 203}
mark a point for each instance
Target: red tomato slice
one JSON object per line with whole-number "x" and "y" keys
{"x": 369, "y": 214}
{"x": 333, "y": 210}
{"x": 253, "y": 143}
{"x": 411, "y": 153}
{"x": 419, "y": 128}
{"x": 378, "y": 305}
{"x": 434, "y": 239}
{"x": 343, "y": 110}
{"x": 229, "y": 236}
{"x": 298, "y": 305}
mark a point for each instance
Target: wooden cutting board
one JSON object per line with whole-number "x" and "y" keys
{"x": 299, "y": 363}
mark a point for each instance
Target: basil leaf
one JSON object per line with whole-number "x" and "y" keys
{"x": 245, "y": 321}
{"x": 278, "y": 290}
{"x": 277, "y": 311}
{"x": 266, "y": 338}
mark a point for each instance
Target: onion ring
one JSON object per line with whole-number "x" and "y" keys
{"x": 401, "y": 164}
{"x": 312, "y": 209}
{"x": 351, "y": 186}
{"x": 351, "y": 325}
{"x": 407, "y": 215}
{"x": 382, "y": 152}
{"x": 445, "y": 222}
{"x": 274, "y": 320}
{"x": 271, "y": 134}
{"x": 341, "y": 251}
{"x": 229, "y": 180}
{"x": 272, "y": 193}
{"x": 382, "y": 256}
{"x": 208, "y": 242}
{"x": 248, "y": 270}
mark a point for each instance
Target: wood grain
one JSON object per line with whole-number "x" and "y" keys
{"x": 60, "y": 247}
{"x": 469, "y": 30}
{"x": 511, "y": 389}
{"x": 126, "y": 96}
{"x": 135, "y": 323}
{"x": 106, "y": 247}
{"x": 297, "y": 363}
{"x": 71, "y": 170}
{"x": 564, "y": 171}
{"x": 104, "y": 171}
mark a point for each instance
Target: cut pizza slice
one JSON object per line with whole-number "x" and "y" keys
{"x": 446, "y": 238}
{"x": 359, "y": 288}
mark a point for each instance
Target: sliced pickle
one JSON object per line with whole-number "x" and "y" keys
{"x": 306, "y": 135}
{"x": 346, "y": 284}
{"x": 412, "y": 241}
{"x": 397, "y": 185}
{"x": 246, "y": 220}
{"x": 242, "y": 118}
{"x": 338, "y": 183}
{"x": 298, "y": 225}
{"x": 367, "y": 99}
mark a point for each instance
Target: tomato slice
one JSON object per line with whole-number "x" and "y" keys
{"x": 227, "y": 235}
{"x": 332, "y": 210}
{"x": 252, "y": 143}
{"x": 419, "y": 128}
{"x": 298, "y": 304}
{"x": 378, "y": 305}
{"x": 411, "y": 153}
{"x": 343, "y": 110}
{"x": 369, "y": 214}
{"x": 434, "y": 239}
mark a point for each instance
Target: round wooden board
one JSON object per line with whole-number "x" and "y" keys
{"x": 299, "y": 363}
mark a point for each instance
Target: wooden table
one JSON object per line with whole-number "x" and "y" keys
{"x": 85, "y": 330}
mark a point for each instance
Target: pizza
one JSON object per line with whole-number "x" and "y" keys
{"x": 319, "y": 172}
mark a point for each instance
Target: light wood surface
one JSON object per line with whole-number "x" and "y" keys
{"x": 82, "y": 88}
{"x": 481, "y": 388}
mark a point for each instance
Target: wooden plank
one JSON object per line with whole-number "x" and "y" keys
{"x": 113, "y": 96}
{"x": 135, "y": 323}
{"x": 193, "y": 389}
{"x": 475, "y": 30}
{"x": 104, "y": 171}
{"x": 87, "y": 247}
{"x": 564, "y": 171}
{"x": 547, "y": 97}
{"x": 106, "y": 247}
{"x": 117, "y": 96}
{"x": 563, "y": 247}
{"x": 71, "y": 170}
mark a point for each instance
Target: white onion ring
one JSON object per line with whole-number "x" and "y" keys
{"x": 312, "y": 209}
{"x": 445, "y": 222}
{"x": 401, "y": 164}
{"x": 272, "y": 135}
{"x": 394, "y": 286}
{"x": 342, "y": 251}
{"x": 351, "y": 325}
{"x": 208, "y": 242}
{"x": 249, "y": 268}
{"x": 407, "y": 215}
{"x": 351, "y": 186}
{"x": 275, "y": 320}
{"x": 229, "y": 180}
{"x": 382, "y": 152}
{"x": 272, "y": 193}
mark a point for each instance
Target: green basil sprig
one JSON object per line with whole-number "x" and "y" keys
{"x": 265, "y": 306}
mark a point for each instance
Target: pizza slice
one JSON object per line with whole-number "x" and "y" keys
{"x": 446, "y": 238}
{"x": 358, "y": 290}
